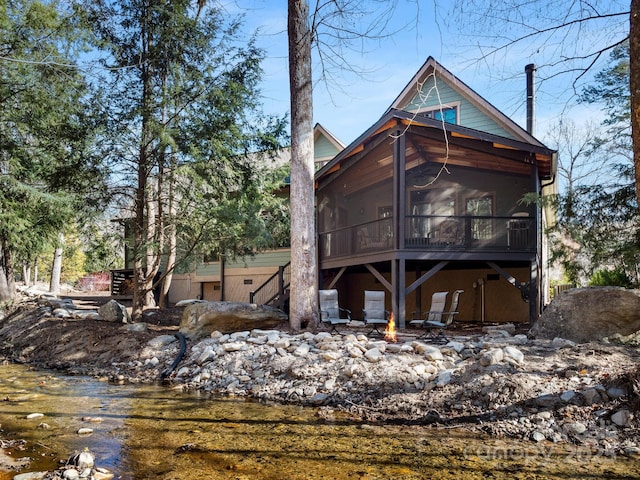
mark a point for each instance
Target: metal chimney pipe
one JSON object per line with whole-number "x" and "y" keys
{"x": 530, "y": 70}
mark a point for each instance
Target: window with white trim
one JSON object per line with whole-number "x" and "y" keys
{"x": 448, "y": 113}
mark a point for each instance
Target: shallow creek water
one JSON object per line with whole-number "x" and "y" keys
{"x": 150, "y": 431}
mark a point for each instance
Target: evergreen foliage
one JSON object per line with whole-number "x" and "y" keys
{"x": 187, "y": 134}
{"x": 47, "y": 172}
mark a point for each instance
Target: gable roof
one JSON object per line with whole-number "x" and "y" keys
{"x": 319, "y": 130}
{"x": 325, "y": 145}
{"x": 544, "y": 157}
{"x": 432, "y": 68}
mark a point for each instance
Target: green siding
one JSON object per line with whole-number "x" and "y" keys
{"x": 273, "y": 258}
{"x": 323, "y": 148}
{"x": 470, "y": 115}
{"x": 207, "y": 269}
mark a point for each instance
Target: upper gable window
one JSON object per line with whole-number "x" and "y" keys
{"x": 448, "y": 114}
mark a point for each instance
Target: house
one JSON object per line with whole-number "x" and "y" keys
{"x": 216, "y": 279}
{"x": 430, "y": 198}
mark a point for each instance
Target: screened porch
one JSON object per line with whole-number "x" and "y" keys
{"x": 456, "y": 200}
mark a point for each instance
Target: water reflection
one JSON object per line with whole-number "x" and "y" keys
{"x": 155, "y": 432}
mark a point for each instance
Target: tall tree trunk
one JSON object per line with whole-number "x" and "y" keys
{"x": 7, "y": 278}
{"x": 153, "y": 240}
{"x": 26, "y": 274}
{"x": 170, "y": 266}
{"x": 35, "y": 271}
{"x": 142, "y": 284}
{"x": 304, "y": 288}
{"x": 56, "y": 267}
{"x": 139, "y": 234}
{"x": 172, "y": 244}
{"x": 634, "y": 86}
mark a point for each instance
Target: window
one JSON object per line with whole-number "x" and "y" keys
{"x": 482, "y": 207}
{"x": 385, "y": 212}
{"x": 447, "y": 113}
{"x": 386, "y": 226}
{"x": 429, "y": 208}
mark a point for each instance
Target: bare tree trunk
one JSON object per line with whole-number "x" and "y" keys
{"x": 634, "y": 86}
{"x": 56, "y": 267}
{"x": 139, "y": 234}
{"x": 171, "y": 246}
{"x": 304, "y": 288}
{"x": 26, "y": 274}
{"x": 7, "y": 278}
{"x": 35, "y": 271}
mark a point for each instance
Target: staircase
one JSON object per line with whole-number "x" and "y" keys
{"x": 275, "y": 290}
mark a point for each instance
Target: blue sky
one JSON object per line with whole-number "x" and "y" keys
{"x": 351, "y": 103}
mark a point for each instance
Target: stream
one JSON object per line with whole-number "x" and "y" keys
{"x": 152, "y": 431}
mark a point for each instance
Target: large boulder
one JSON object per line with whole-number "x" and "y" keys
{"x": 113, "y": 311}
{"x": 586, "y": 314}
{"x": 202, "y": 318}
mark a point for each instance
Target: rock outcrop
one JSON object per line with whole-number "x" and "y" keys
{"x": 202, "y": 318}
{"x": 588, "y": 314}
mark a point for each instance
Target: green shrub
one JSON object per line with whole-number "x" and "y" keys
{"x": 610, "y": 278}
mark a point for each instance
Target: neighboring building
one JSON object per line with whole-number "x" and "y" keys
{"x": 214, "y": 279}
{"x": 429, "y": 199}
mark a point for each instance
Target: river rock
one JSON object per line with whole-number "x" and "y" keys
{"x": 592, "y": 313}
{"x": 201, "y": 319}
{"x": 112, "y": 311}
{"x": 575, "y": 428}
{"x": 30, "y": 476}
{"x": 512, "y": 353}
{"x": 622, "y": 418}
{"x": 493, "y": 356}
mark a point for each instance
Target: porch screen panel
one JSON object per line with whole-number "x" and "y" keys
{"x": 355, "y": 206}
{"x": 482, "y": 207}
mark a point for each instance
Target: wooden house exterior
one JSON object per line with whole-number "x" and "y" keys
{"x": 429, "y": 199}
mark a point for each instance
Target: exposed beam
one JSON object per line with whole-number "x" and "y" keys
{"x": 425, "y": 277}
{"x": 336, "y": 278}
{"x": 510, "y": 278}
{"x": 385, "y": 283}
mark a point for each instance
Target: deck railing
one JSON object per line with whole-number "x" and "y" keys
{"x": 433, "y": 232}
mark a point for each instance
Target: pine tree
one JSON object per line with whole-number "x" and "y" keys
{"x": 183, "y": 104}
{"x": 45, "y": 164}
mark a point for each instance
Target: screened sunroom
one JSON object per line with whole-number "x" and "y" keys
{"x": 415, "y": 193}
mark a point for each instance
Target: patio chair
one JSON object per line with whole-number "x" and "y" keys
{"x": 438, "y": 302}
{"x": 449, "y": 318}
{"x": 330, "y": 310}
{"x": 373, "y": 311}
{"x": 365, "y": 241}
{"x": 448, "y": 233}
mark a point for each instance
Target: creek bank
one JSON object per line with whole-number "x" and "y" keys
{"x": 495, "y": 381}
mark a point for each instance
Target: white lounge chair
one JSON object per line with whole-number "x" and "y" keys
{"x": 330, "y": 310}
{"x": 373, "y": 311}
{"x": 443, "y": 320}
{"x": 438, "y": 303}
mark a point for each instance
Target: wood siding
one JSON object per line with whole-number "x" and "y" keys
{"x": 436, "y": 93}
{"x": 323, "y": 149}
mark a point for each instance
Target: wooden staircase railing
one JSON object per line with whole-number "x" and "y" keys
{"x": 275, "y": 290}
